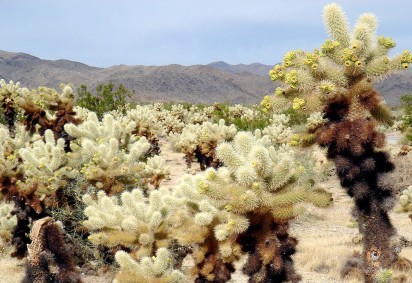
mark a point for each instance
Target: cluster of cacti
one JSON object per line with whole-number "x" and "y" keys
{"x": 147, "y": 125}
{"x": 200, "y": 141}
{"x": 107, "y": 153}
{"x": 245, "y": 206}
{"x": 102, "y": 177}
{"x": 48, "y": 160}
{"x": 240, "y": 111}
{"x": 42, "y": 110}
{"x": 279, "y": 131}
{"x": 46, "y": 165}
{"x": 135, "y": 221}
{"x": 338, "y": 79}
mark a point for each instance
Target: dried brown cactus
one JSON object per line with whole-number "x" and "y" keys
{"x": 49, "y": 249}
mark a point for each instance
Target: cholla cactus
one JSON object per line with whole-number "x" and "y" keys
{"x": 200, "y": 141}
{"x": 178, "y": 111}
{"x": 186, "y": 142}
{"x": 156, "y": 170}
{"x": 109, "y": 155}
{"x": 221, "y": 214}
{"x": 139, "y": 222}
{"x": 338, "y": 79}
{"x": 170, "y": 123}
{"x": 245, "y": 206}
{"x": 8, "y": 94}
{"x": 42, "y": 109}
{"x": 46, "y": 166}
{"x": 11, "y": 169}
{"x": 7, "y": 222}
{"x": 315, "y": 121}
{"x": 405, "y": 200}
{"x": 9, "y": 159}
{"x": 240, "y": 111}
{"x": 279, "y": 132}
{"x": 45, "y": 108}
{"x": 147, "y": 125}
{"x": 342, "y": 71}
{"x": 81, "y": 112}
{"x": 149, "y": 269}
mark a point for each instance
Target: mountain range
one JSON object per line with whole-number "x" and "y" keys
{"x": 215, "y": 82}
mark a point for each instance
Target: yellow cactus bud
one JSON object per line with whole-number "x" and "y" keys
{"x": 211, "y": 174}
{"x": 279, "y": 91}
{"x": 230, "y": 224}
{"x": 298, "y": 103}
{"x": 11, "y": 157}
{"x": 293, "y": 143}
{"x": 255, "y": 185}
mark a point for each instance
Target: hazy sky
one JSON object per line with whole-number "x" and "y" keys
{"x": 148, "y": 32}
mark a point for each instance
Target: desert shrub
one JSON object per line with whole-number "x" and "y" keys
{"x": 106, "y": 98}
{"x": 243, "y": 117}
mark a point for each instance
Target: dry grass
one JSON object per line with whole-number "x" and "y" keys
{"x": 11, "y": 269}
{"x": 326, "y": 239}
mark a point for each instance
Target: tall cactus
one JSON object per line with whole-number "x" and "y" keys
{"x": 338, "y": 79}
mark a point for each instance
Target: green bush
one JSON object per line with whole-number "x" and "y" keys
{"x": 106, "y": 98}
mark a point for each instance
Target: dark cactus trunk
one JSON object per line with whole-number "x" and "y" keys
{"x": 270, "y": 249}
{"x": 353, "y": 144}
{"x": 10, "y": 116}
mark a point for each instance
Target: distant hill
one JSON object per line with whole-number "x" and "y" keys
{"x": 215, "y": 82}
{"x": 194, "y": 84}
{"x": 254, "y": 68}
